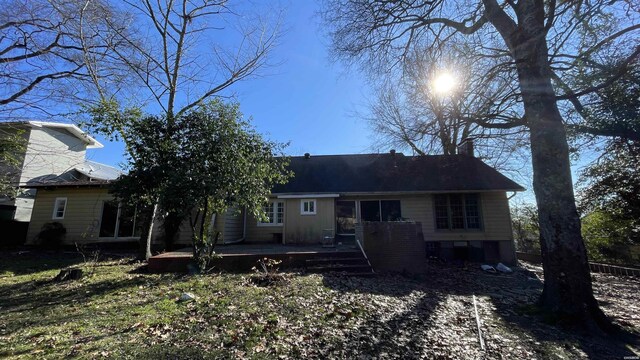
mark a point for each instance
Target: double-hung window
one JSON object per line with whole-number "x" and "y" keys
{"x": 308, "y": 207}
{"x": 457, "y": 212}
{"x": 59, "y": 207}
{"x": 275, "y": 214}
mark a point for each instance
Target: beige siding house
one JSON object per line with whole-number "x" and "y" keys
{"x": 51, "y": 149}
{"x": 80, "y": 215}
{"x": 461, "y": 203}
{"x": 90, "y": 215}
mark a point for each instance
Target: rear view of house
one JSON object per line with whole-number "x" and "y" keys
{"x": 460, "y": 202}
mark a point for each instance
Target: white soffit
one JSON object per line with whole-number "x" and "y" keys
{"x": 73, "y": 129}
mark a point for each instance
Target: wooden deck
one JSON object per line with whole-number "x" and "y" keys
{"x": 242, "y": 257}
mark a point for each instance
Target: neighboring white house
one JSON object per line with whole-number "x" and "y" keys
{"x": 54, "y": 151}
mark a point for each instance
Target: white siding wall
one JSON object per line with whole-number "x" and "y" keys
{"x": 49, "y": 152}
{"x": 231, "y": 224}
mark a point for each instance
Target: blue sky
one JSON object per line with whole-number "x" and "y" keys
{"x": 306, "y": 100}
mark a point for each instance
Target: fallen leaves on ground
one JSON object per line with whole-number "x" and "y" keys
{"x": 118, "y": 312}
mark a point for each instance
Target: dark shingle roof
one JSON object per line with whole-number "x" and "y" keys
{"x": 392, "y": 173}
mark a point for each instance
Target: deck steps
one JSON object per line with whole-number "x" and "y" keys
{"x": 349, "y": 266}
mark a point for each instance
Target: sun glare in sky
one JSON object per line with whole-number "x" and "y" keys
{"x": 444, "y": 83}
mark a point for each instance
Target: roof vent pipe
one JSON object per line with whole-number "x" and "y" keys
{"x": 466, "y": 147}
{"x": 307, "y": 155}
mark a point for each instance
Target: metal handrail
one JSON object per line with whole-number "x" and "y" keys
{"x": 364, "y": 254}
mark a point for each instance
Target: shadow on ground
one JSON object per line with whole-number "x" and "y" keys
{"x": 433, "y": 316}
{"x": 29, "y": 262}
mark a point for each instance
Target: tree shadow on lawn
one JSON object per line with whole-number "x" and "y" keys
{"x": 33, "y": 312}
{"x": 71, "y": 342}
{"x": 406, "y": 332}
{"x": 30, "y": 262}
{"x": 399, "y": 330}
{"x": 173, "y": 351}
{"x": 45, "y": 296}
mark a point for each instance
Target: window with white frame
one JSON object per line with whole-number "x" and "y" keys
{"x": 457, "y": 212}
{"x": 275, "y": 214}
{"x": 59, "y": 208}
{"x": 308, "y": 207}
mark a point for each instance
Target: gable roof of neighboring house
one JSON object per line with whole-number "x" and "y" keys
{"x": 71, "y": 128}
{"x": 380, "y": 173}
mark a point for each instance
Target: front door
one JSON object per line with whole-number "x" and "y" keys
{"x": 345, "y": 218}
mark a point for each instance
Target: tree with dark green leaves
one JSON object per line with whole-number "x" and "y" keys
{"x": 204, "y": 162}
{"x": 12, "y": 145}
{"x": 524, "y": 223}
{"x": 610, "y": 186}
{"x": 540, "y": 45}
{"x": 609, "y": 236}
{"x": 612, "y": 183}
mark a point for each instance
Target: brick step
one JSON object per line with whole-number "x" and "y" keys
{"x": 330, "y": 260}
{"x": 339, "y": 268}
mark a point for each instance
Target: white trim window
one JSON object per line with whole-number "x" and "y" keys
{"x": 457, "y": 212}
{"x": 307, "y": 206}
{"x": 275, "y": 214}
{"x": 59, "y": 208}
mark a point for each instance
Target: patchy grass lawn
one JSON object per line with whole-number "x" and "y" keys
{"x": 116, "y": 311}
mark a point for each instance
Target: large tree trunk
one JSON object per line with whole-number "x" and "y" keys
{"x": 150, "y": 231}
{"x": 567, "y": 278}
